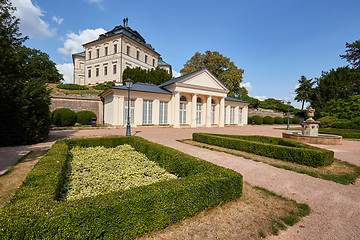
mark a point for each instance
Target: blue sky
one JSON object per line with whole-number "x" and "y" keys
{"x": 275, "y": 42}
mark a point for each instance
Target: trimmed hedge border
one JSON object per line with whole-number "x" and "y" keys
{"x": 278, "y": 148}
{"x": 35, "y": 213}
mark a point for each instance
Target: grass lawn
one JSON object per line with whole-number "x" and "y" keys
{"x": 345, "y": 133}
{"x": 56, "y": 90}
{"x": 339, "y": 171}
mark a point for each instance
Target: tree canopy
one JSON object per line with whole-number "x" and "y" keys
{"x": 24, "y": 98}
{"x": 353, "y": 53}
{"x": 154, "y": 76}
{"x": 224, "y": 69}
{"x": 303, "y": 92}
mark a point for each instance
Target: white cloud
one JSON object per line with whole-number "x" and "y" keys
{"x": 66, "y": 69}
{"x": 247, "y": 85}
{"x": 93, "y": 1}
{"x": 261, "y": 98}
{"x": 31, "y": 23}
{"x": 74, "y": 42}
{"x": 58, "y": 20}
{"x": 176, "y": 74}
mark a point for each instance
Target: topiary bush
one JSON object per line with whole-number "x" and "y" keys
{"x": 342, "y": 123}
{"x": 286, "y": 120}
{"x": 268, "y": 120}
{"x": 71, "y": 86}
{"x": 327, "y": 121}
{"x": 63, "y": 117}
{"x": 257, "y": 120}
{"x": 278, "y": 120}
{"x": 84, "y": 117}
{"x": 295, "y": 120}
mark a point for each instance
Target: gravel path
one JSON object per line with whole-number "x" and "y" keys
{"x": 336, "y": 207}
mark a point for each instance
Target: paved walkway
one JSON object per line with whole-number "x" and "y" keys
{"x": 336, "y": 207}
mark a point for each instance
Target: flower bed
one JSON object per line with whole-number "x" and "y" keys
{"x": 278, "y": 148}
{"x": 35, "y": 211}
{"x": 99, "y": 170}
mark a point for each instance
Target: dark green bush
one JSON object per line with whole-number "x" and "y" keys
{"x": 342, "y": 123}
{"x": 279, "y": 148}
{"x": 286, "y": 120}
{"x": 71, "y": 86}
{"x": 104, "y": 86}
{"x": 268, "y": 120}
{"x": 345, "y": 133}
{"x": 257, "y": 120}
{"x": 295, "y": 120}
{"x": 84, "y": 117}
{"x": 35, "y": 213}
{"x": 327, "y": 121}
{"x": 278, "y": 120}
{"x": 63, "y": 117}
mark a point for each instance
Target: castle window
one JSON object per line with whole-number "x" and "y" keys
{"x": 146, "y": 57}
{"x": 97, "y": 72}
{"x": 105, "y": 70}
{"x": 137, "y": 55}
{"x": 128, "y": 50}
{"x": 153, "y": 62}
{"x": 89, "y": 73}
{"x": 114, "y": 69}
{"x": 115, "y": 48}
{"x": 97, "y": 53}
{"x": 106, "y": 51}
{"x": 89, "y": 55}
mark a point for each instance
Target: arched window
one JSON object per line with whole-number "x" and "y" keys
{"x": 183, "y": 103}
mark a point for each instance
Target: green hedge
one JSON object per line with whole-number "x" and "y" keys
{"x": 256, "y": 119}
{"x": 102, "y": 86}
{"x": 71, "y": 86}
{"x": 268, "y": 120}
{"x": 35, "y": 213}
{"x": 295, "y": 120}
{"x": 63, "y": 117}
{"x": 345, "y": 133}
{"x": 84, "y": 117}
{"x": 278, "y": 120}
{"x": 278, "y": 148}
{"x": 327, "y": 121}
{"x": 286, "y": 120}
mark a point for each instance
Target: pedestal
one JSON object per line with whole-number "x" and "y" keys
{"x": 310, "y": 128}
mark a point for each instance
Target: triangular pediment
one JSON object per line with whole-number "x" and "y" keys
{"x": 204, "y": 79}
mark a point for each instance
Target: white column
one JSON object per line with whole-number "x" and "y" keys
{"x": 221, "y": 117}
{"x": 116, "y": 111}
{"x": 236, "y": 119}
{"x": 177, "y": 110}
{"x": 245, "y": 115}
{"x": 121, "y": 110}
{"x": 193, "y": 111}
{"x": 138, "y": 111}
{"x": 208, "y": 111}
{"x": 155, "y": 111}
{"x": 227, "y": 112}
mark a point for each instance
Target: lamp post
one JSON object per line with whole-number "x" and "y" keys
{"x": 288, "y": 123}
{"x": 128, "y": 83}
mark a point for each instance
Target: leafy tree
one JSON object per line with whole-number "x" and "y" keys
{"x": 353, "y": 53}
{"x": 24, "y": 98}
{"x": 224, "y": 69}
{"x": 154, "y": 76}
{"x": 348, "y": 108}
{"x": 36, "y": 64}
{"x": 254, "y": 102}
{"x": 335, "y": 84}
{"x": 303, "y": 92}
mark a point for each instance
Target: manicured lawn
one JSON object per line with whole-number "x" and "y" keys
{"x": 345, "y": 133}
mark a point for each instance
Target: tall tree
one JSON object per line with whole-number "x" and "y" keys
{"x": 154, "y": 76}
{"x": 224, "y": 69}
{"x": 353, "y": 53}
{"x": 24, "y": 98}
{"x": 303, "y": 92}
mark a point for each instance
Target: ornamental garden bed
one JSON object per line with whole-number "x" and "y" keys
{"x": 339, "y": 171}
{"x": 38, "y": 212}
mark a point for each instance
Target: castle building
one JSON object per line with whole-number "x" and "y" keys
{"x": 106, "y": 58}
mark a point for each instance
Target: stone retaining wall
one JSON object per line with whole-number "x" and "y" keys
{"x": 267, "y": 112}
{"x": 79, "y": 103}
